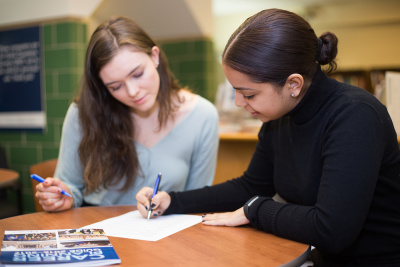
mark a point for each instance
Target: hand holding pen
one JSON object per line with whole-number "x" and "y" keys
{"x": 41, "y": 180}
{"x": 52, "y": 194}
{"x": 155, "y": 191}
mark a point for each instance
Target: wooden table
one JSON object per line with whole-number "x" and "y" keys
{"x": 198, "y": 245}
{"x": 9, "y": 179}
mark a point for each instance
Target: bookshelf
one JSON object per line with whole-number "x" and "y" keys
{"x": 359, "y": 78}
{"x": 368, "y": 79}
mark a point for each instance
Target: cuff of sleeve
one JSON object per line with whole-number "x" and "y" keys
{"x": 171, "y": 209}
{"x": 262, "y": 214}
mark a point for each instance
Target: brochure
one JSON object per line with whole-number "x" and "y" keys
{"x": 72, "y": 247}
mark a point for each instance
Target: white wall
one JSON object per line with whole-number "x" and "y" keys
{"x": 14, "y": 12}
{"x": 368, "y": 31}
{"x": 162, "y": 19}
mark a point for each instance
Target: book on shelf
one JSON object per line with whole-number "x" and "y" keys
{"x": 392, "y": 96}
{"x": 69, "y": 247}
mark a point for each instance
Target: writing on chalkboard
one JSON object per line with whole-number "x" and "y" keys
{"x": 20, "y": 62}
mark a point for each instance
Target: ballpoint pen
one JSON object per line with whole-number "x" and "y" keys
{"x": 41, "y": 180}
{"x": 156, "y": 186}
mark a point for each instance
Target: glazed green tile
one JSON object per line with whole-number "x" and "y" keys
{"x": 57, "y": 108}
{"x": 61, "y": 58}
{"x": 49, "y": 83}
{"x": 201, "y": 47}
{"x": 174, "y": 67}
{"x": 47, "y": 136}
{"x": 81, "y": 58}
{"x": 173, "y": 49}
{"x": 196, "y": 84}
{"x": 193, "y": 66}
{"x": 67, "y": 32}
{"x": 67, "y": 83}
{"x": 47, "y": 31}
{"x": 9, "y": 136}
{"x": 50, "y": 153}
{"x": 23, "y": 155}
{"x": 24, "y": 178}
{"x": 83, "y": 33}
{"x": 28, "y": 203}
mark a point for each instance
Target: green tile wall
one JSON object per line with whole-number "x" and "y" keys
{"x": 193, "y": 64}
{"x": 192, "y": 61}
{"x": 64, "y": 45}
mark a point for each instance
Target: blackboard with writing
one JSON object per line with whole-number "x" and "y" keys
{"x": 21, "y": 96}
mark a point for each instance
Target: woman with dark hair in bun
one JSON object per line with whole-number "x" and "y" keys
{"x": 326, "y": 168}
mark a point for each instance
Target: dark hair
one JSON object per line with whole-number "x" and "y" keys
{"x": 275, "y": 43}
{"x": 107, "y": 149}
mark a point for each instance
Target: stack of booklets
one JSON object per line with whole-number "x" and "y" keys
{"x": 79, "y": 247}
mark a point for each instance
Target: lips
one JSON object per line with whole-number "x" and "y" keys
{"x": 140, "y": 100}
{"x": 254, "y": 114}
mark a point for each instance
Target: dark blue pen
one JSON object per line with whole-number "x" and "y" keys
{"x": 41, "y": 180}
{"x": 156, "y": 186}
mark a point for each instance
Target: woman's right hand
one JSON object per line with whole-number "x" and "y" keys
{"x": 50, "y": 197}
{"x": 160, "y": 202}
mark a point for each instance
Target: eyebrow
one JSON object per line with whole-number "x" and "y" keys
{"x": 243, "y": 88}
{"x": 130, "y": 73}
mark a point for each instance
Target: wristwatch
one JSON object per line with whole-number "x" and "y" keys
{"x": 247, "y": 206}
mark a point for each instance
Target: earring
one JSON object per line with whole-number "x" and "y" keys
{"x": 292, "y": 95}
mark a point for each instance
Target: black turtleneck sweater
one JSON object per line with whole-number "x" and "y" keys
{"x": 336, "y": 160}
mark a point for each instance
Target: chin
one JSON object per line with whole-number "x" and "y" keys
{"x": 263, "y": 120}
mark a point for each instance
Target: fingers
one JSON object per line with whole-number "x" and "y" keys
{"x": 143, "y": 200}
{"x": 50, "y": 197}
{"x": 51, "y": 185}
{"x": 235, "y": 218}
{"x": 159, "y": 203}
{"x": 57, "y": 203}
{"x": 51, "y": 204}
{"x": 218, "y": 219}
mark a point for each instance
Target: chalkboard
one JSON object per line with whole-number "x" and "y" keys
{"x": 21, "y": 92}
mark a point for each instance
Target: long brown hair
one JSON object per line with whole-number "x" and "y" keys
{"x": 107, "y": 149}
{"x": 275, "y": 43}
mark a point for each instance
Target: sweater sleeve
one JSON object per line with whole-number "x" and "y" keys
{"x": 230, "y": 195}
{"x": 69, "y": 168}
{"x": 352, "y": 152}
{"x": 204, "y": 159}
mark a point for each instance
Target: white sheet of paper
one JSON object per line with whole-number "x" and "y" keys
{"x": 135, "y": 226}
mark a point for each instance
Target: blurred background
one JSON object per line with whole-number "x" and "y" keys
{"x": 193, "y": 34}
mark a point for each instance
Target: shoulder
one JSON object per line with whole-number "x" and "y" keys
{"x": 73, "y": 109}
{"x": 71, "y": 120}
{"x": 205, "y": 107}
{"x": 197, "y": 104}
{"x": 202, "y": 116}
{"x": 354, "y": 99}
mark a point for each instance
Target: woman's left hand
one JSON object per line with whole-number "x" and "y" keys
{"x": 235, "y": 218}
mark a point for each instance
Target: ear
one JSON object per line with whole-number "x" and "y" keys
{"x": 295, "y": 83}
{"x": 155, "y": 55}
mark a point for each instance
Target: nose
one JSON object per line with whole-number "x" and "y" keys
{"x": 239, "y": 100}
{"x": 132, "y": 89}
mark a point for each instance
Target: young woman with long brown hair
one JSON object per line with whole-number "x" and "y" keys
{"x": 130, "y": 121}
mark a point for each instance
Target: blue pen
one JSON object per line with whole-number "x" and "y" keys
{"x": 156, "y": 186}
{"x": 41, "y": 180}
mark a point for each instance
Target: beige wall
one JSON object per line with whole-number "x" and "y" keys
{"x": 368, "y": 31}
